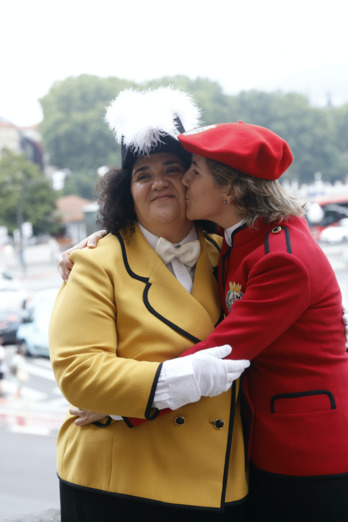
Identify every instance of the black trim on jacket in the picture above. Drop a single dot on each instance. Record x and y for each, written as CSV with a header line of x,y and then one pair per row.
x,y
229,443
147,304
287,239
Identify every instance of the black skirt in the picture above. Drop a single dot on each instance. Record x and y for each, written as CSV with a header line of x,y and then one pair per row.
x,y
277,498
87,505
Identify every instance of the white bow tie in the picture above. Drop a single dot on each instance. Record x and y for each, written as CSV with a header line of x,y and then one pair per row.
x,y
187,254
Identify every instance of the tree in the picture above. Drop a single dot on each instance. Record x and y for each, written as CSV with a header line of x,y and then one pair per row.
x,y
76,137
207,94
81,184
340,115
73,130
310,131
26,195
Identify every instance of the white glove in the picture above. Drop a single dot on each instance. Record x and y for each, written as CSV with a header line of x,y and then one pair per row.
x,y
215,374
203,374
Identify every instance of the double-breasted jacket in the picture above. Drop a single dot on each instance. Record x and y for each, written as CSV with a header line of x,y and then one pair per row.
x,y
119,316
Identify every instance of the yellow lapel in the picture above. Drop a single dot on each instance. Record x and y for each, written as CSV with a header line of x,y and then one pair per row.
x,y
194,316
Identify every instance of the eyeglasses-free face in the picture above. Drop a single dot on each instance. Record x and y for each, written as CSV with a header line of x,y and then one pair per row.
x,y
159,195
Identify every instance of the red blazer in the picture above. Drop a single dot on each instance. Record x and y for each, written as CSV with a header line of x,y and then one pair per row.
x,y
283,311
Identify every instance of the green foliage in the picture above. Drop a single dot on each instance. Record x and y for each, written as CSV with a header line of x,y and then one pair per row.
x,y
81,184
309,131
76,137
340,116
73,130
25,190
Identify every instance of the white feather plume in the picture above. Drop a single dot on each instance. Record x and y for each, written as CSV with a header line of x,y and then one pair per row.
x,y
141,118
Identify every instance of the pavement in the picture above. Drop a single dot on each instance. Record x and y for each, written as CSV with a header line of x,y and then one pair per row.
x,y
31,413
48,515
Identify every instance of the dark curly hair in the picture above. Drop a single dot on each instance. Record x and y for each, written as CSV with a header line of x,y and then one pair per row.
x,y
116,207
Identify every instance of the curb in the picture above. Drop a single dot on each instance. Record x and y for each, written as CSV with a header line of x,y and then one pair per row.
x,y
51,515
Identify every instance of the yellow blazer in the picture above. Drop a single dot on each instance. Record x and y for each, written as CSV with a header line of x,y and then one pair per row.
x,y
121,313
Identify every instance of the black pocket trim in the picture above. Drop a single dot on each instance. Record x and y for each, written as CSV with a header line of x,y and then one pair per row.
x,y
303,394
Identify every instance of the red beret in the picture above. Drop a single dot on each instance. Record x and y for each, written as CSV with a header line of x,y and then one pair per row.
x,y
251,149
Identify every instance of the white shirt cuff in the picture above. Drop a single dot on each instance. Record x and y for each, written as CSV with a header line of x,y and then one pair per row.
x,y
176,385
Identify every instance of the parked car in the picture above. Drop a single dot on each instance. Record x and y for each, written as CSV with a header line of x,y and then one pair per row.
x,y
32,334
336,233
326,212
9,324
12,295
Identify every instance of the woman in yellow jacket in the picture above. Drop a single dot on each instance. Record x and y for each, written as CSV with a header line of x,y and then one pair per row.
x,y
125,310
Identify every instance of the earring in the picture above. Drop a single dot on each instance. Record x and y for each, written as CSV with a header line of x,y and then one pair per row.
x,y
225,201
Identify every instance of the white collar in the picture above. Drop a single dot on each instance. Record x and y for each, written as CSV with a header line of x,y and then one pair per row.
x,y
152,239
229,231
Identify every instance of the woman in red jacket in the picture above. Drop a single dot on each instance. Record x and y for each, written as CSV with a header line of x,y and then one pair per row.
x,y
283,310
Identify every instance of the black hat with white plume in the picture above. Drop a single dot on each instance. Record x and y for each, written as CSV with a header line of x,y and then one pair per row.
x,y
148,122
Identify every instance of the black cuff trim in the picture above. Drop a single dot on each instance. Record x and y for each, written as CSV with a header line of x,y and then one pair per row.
x,y
128,422
149,407
103,424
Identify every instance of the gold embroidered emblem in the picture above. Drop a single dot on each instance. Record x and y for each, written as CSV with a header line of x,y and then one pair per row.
x,y
234,294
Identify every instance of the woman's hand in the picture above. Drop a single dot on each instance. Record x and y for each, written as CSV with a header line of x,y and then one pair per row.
x,y
65,265
85,417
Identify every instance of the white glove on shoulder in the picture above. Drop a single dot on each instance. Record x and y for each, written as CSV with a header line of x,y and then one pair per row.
x,y
203,374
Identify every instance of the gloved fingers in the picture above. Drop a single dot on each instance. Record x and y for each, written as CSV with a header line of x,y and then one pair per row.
x,y
235,370
233,377
218,352
238,365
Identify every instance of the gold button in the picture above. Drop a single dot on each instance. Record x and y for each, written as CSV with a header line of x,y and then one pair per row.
x,y
276,230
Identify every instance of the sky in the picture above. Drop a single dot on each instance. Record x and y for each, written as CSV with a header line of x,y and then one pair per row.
x,y
268,45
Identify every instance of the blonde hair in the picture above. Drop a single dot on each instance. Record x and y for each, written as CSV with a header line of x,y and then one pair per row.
x,y
256,198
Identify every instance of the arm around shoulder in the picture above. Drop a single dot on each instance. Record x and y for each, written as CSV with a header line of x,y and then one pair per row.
x,y
83,344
